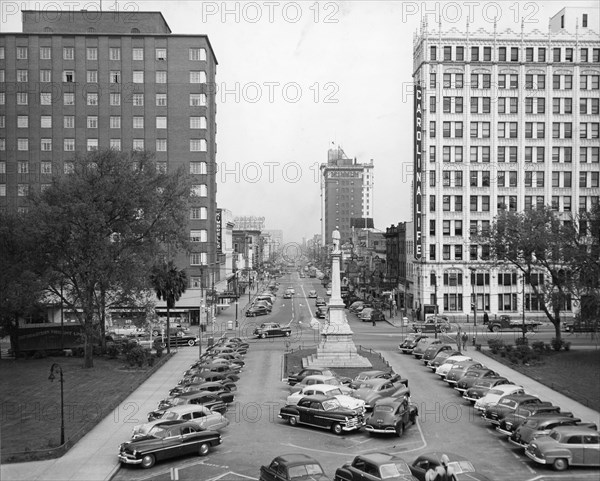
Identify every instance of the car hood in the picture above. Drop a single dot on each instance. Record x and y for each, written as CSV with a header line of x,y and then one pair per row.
x,y
350,402
144,442
365,394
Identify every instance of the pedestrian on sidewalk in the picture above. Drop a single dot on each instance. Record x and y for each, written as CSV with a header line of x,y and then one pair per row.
x,y
459,337
486,318
464,338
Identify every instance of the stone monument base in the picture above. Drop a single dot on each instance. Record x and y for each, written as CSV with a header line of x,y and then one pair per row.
x,y
336,349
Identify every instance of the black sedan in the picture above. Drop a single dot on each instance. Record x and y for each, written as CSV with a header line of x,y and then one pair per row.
x,y
272,329
461,466
291,467
176,341
168,440
391,415
204,398
375,466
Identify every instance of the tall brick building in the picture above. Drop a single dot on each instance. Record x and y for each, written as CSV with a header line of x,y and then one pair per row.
x,y
74,82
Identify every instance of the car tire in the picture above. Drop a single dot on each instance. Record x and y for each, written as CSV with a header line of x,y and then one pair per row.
x,y
443,330
191,342
203,449
155,333
530,328
400,429
495,329
560,464
293,421
263,335
163,345
287,333
148,461
336,428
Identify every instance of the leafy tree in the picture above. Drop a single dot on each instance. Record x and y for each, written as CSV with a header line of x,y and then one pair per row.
x,y
169,284
99,228
539,242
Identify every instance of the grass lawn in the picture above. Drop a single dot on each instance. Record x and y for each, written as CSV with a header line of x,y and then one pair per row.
x,y
574,373
30,403
293,362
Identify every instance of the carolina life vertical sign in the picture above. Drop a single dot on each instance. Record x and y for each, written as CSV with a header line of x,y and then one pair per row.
x,y
418,168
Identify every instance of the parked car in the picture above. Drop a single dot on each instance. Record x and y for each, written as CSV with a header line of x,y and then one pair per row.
x,y
297,377
509,404
424,344
320,302
347,401
511,421
203,398
444,369
167,441
254,311
410,342
459,369
377,315
433,324
504,322
365,314
541,425
391,415
363,376
374,466
288,295
463,468
324,412
320,379
328,291
200,415
312,294
482,387
374,389
267,305
217,388
434,349
496,393
272,329
566,446
321,312
471,377
441,357
293,467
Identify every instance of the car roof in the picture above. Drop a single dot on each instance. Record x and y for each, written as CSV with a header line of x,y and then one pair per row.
x,y
196,394
376,381
373,372
318,377
575,430
322,387
389,401
380,458
436,456
319,397
185,408
293,459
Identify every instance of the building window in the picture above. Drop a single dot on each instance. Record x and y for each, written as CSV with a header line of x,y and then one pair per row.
x,y
161,77
46,168
23,167
22,53
69,122
161,54
69,99
115,99
138,144
92,53
115,122
115,77
69,145
92,76
46,98
198,213
92,99
198,258
22,190
138,100
161,122
138,76
198,145
114,53
22,98
23,144
46,121
432,129
138,122
137,54
432,203
199,190
197,100
161,100
92,144
198,168
68,53
22,75
197,122
197,54
115,144
161,145
197,76
199,235
45,53
92,121
23,121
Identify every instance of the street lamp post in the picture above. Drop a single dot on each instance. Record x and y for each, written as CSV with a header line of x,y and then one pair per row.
x,y
57,367
474,303
523,285
435,299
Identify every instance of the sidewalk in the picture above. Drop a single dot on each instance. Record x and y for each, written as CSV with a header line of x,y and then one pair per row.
x,y
531,385
94,457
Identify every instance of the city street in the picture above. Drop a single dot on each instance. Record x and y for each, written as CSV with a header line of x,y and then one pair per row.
x,y
255,435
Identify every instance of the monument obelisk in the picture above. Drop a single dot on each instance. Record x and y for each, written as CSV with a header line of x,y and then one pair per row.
x,y
336,347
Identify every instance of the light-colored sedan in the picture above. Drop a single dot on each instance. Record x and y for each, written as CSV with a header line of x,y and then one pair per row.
x,y
495,394
198,414
444,369
329,390
319,379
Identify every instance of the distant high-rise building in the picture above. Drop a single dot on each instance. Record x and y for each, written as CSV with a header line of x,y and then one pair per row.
x,y
78,81
346,194
503,121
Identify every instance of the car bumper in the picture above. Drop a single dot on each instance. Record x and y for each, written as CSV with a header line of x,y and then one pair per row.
x,y
517,443
129,460
382,429
535,458
460,389
503,431
470,399
451,381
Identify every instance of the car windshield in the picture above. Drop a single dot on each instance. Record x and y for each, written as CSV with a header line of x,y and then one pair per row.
x,y
383,408
508,403
393,470
496,392
462,467
531,423
170,416
177,401
331,405
362,377
334,392
158,432
304,470
555,435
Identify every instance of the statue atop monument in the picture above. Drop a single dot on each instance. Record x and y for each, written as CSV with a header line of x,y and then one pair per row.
x,y
335,236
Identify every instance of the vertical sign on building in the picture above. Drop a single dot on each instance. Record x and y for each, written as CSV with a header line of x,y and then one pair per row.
x,y
219,226
418,168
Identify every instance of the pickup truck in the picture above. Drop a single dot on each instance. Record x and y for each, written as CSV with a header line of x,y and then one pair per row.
x,y
505,322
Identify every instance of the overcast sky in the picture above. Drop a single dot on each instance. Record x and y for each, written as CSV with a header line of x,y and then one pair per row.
x,y
295,77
